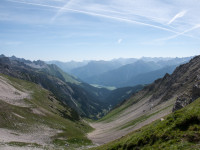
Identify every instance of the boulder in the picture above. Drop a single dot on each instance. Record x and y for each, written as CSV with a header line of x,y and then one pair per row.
x,y
182,101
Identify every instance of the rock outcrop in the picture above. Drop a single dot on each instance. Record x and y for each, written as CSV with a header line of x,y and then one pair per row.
x,y
186,99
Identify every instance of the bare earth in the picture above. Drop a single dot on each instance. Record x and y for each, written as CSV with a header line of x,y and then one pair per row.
x,y
10,94
108,131
40,135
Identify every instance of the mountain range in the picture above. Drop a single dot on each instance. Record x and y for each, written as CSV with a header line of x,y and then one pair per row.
x,y
124,72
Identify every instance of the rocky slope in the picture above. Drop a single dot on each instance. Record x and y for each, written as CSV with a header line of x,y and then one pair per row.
x,y
33,118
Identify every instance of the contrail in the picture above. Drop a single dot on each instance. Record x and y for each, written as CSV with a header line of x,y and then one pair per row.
x,y
60,11
179,15
182,33
99,15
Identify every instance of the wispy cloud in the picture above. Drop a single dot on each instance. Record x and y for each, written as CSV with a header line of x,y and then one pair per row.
x,y
99,15
179,15
100,26
14,43
156,16
119,41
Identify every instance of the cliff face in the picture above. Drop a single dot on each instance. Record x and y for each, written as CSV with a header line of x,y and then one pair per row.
x,y
184,84
193,81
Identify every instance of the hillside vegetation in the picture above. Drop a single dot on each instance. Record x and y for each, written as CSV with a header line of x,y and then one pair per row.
x,y
178,131
37,120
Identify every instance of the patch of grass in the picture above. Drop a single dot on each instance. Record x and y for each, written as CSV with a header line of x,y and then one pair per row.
x,y
69,78
179,131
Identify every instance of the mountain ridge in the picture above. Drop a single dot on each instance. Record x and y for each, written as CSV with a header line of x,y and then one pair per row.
x,y
123,73
87,100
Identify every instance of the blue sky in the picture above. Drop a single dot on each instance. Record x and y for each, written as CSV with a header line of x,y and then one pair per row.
x,y
99,29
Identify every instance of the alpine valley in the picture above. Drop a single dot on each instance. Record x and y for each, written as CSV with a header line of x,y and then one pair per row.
x,y
122,104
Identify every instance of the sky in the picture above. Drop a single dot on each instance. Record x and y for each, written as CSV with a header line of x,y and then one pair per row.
x,y
79,30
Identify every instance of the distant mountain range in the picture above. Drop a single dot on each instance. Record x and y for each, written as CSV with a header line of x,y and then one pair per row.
x,y
123,72
71,66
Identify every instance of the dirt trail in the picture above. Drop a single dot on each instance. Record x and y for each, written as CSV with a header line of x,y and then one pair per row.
x,y
108,131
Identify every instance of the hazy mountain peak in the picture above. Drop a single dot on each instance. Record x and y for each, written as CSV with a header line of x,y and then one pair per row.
x,y
2,55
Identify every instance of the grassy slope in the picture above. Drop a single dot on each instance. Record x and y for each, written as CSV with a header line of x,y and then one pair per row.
x,y
142,118
179,130
56,115
56,71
